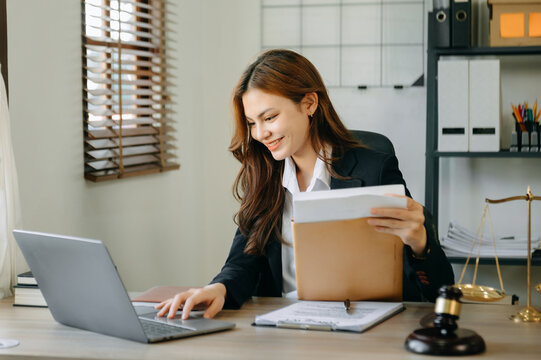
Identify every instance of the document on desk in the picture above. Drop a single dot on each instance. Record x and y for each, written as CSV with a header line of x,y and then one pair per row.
x,y
330,315
345,204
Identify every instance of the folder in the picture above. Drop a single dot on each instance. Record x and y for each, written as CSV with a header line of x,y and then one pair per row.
x,y
453,97
484,105
346,259
441,23
461,23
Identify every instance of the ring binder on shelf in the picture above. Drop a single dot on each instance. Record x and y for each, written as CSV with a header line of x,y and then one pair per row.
x,y
460,23
441,21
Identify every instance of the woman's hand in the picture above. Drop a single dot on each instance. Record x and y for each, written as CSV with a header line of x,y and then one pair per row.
x,y
213,296
408,224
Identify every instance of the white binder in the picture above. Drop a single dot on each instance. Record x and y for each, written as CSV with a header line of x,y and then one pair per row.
x,y
453,97
484,132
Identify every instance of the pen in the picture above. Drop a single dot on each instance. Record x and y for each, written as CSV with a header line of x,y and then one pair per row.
x,y
347,305
322,327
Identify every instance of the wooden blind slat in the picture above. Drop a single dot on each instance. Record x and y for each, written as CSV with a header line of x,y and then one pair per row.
x,y
138,91
113,43
110,113
105,101
128,161
109,81
128,122
137,160
127,151
106,175
97,157
108,19
145,34
132,12
141,63
130,141
104,70
109,50
132,101
108,133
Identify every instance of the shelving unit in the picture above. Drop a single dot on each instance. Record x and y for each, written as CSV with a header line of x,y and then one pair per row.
x,y
536,260
433,156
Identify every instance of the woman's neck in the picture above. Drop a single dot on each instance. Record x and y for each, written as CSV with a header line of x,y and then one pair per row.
x,y
305,164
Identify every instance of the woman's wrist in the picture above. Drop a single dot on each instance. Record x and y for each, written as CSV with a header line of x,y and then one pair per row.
x,y
219,287
422,254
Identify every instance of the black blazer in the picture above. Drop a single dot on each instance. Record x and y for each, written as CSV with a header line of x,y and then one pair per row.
x,y
246,275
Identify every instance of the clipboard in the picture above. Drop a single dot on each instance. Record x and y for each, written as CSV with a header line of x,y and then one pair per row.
x,y
347,259
330,316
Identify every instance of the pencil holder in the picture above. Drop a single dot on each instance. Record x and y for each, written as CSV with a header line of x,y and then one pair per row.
x,y
536,141
519,136
529,140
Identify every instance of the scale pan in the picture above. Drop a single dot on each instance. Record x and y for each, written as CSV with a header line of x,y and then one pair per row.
x,y
480,292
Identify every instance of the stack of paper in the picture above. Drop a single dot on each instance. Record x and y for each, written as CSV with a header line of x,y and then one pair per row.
x,y
330,316
345,204
459,242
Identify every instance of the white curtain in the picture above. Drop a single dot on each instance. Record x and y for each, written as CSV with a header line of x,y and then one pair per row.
x,y
9,199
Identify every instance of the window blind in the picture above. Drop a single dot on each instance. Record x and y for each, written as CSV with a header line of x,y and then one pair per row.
x,y
126,106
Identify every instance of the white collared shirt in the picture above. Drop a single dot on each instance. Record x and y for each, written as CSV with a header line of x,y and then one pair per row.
x,y
321,180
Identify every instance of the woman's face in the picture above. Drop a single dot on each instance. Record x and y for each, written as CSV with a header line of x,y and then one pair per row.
x,y
279,123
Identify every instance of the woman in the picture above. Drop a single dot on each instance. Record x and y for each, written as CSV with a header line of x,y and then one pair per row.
x,y
288,138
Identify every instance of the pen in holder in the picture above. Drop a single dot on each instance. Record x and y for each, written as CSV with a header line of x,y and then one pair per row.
x,y
526,137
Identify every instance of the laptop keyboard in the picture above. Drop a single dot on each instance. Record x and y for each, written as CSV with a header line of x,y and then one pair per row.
x,y
156,330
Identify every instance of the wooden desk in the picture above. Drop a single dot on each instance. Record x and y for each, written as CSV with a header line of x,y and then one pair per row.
x,y
41,337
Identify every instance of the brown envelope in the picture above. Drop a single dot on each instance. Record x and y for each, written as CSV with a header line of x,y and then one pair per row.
x,y
347,259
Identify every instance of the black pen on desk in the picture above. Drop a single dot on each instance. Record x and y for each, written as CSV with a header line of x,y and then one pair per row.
x,y
347,305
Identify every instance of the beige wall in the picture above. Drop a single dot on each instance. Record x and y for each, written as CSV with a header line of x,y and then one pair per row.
x,y
172,228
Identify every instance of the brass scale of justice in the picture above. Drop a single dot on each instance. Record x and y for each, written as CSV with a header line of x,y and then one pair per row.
x,y
486,293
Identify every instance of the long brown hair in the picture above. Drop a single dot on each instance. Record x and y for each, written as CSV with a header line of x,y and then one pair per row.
x,y
258,186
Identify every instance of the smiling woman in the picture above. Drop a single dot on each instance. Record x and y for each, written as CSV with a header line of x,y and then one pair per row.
x,y
288,139
304,122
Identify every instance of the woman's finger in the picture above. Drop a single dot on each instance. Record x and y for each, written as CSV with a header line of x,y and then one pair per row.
x,y
214,308
178,300
162,304
189,304
164,309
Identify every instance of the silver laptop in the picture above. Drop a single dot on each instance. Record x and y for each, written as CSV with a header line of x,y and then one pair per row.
x,y
82,288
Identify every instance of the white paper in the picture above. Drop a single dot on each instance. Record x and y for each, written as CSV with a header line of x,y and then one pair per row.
x,y
330,315
459,242
344,204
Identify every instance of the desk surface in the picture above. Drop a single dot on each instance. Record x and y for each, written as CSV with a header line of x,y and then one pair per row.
x,y
40,336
